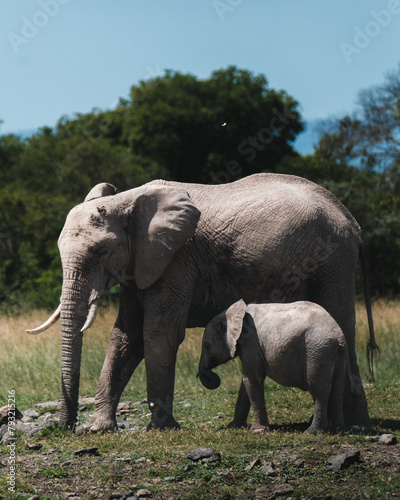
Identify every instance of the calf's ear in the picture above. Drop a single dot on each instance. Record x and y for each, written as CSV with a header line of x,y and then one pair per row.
x,y
234,323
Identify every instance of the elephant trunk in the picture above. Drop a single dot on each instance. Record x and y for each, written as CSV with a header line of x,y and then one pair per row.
x,y
207,377
74,309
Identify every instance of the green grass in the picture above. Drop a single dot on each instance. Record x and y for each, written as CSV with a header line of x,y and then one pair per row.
x,y
31,367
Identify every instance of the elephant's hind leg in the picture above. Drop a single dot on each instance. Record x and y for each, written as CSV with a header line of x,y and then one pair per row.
x,y
125,352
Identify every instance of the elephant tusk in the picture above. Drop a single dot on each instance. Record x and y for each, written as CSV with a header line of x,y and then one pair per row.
x,y
91,316
47,324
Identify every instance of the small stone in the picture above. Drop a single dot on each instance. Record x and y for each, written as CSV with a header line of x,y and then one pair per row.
x,y
142,493
33,414
269,469
50,404
124,406
299,464
252,464
388,439
87,451
207,455
344,460
140,460
173,479
33,446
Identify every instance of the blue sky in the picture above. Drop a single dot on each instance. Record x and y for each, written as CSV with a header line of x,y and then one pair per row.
x,y
59,57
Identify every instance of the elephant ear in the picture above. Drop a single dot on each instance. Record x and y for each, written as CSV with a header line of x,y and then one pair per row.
x,y
164,218
100,190
234,324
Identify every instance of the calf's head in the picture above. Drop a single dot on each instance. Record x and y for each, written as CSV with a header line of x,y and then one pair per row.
x,y
219,342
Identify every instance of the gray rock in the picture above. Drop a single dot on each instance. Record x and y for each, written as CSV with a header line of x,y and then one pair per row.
x,y
33,446
344,460
33,414
252,464
207,455
388,439
142,493
270,469
173,479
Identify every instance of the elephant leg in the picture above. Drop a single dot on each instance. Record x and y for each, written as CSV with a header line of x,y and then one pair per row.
x,y
255,391
242,409
341,307
320,418
336,396
125,352
160,357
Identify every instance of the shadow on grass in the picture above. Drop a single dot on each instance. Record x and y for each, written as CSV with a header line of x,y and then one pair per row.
x,y
385,425
390,424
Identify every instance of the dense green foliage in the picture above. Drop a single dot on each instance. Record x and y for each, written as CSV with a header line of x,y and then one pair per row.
x,y
182,128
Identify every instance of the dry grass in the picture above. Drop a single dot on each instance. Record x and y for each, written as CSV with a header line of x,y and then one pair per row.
x,y
386,314
31,364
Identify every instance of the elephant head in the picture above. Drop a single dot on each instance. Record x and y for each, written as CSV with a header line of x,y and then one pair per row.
x,y
128,238
219,343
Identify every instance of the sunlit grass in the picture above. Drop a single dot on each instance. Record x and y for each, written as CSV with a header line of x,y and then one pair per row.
x,y
31,365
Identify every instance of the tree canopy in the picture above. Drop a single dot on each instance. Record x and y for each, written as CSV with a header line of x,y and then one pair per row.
x,y
214,130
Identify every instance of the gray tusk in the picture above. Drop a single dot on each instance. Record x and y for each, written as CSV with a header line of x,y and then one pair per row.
x,y
47,324
91,316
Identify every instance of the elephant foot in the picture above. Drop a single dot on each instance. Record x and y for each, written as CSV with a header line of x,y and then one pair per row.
x,y
313,429
161,417
259,429
237,425
170,423
101,423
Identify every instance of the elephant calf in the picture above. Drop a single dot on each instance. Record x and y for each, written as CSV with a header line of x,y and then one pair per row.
x,y
296,344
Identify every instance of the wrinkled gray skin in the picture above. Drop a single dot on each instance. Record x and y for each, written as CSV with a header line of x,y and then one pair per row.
x,y
297,345
184,252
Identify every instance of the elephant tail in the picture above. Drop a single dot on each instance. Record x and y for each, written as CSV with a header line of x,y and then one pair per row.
x,y
373,350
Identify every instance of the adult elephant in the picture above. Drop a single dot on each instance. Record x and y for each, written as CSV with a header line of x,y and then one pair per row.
x,y
183,253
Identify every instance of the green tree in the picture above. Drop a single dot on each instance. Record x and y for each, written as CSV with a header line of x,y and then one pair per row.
x,y
212,130
368,145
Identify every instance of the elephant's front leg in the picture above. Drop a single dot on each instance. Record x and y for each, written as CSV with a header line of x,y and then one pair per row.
x,y
242,409
166,309
160,355
125,352
254,385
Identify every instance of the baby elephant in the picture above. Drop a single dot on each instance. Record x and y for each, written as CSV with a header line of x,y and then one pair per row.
x,y
297,345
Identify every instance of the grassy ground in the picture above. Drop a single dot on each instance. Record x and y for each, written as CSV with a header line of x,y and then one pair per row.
x,y
31,367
